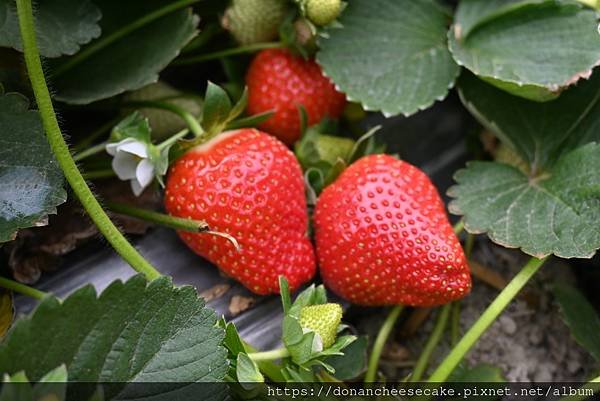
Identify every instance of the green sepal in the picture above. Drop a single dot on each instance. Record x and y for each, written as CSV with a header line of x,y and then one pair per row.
x,y
217,108
232,340
247,372
133,126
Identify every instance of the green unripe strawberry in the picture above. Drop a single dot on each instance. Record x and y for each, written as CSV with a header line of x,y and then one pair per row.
x,y
323,12
322,319
163,123
254,21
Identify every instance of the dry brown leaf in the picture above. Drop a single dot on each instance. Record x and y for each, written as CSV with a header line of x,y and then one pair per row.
x,y
215,292
240,303
6,312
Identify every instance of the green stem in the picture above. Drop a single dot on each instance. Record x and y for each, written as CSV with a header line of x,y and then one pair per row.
x,y
485,320
185,115
162,219
455,323
270,369
169,141
229,52
432,342
21,288
107,40
458,227
585,392
278,353
61,150
382,336
90,151
470,241
106,173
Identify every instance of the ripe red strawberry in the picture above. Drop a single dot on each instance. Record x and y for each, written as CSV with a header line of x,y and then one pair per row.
x,y
247,184
281,82
383,237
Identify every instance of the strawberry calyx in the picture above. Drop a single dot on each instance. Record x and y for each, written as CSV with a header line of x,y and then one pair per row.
x,y
324,157
219,114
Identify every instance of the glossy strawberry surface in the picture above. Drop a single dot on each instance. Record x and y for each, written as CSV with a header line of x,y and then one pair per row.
x,y
247,184
383,237
279,81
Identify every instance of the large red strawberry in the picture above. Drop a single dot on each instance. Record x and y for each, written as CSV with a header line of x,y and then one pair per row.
x,y
247,184
281,82
383,237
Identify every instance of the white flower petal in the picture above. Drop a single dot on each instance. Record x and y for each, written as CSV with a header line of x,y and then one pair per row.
x,y
317,344
134,147
125,165
111,148
136,187
144,173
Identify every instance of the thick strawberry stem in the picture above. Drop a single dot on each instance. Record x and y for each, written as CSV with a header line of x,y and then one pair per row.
x,y
432,342
485,320
382,336
229,52
21,288
61,150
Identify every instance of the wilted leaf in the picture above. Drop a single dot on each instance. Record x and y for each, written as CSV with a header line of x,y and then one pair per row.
x,y
133,332
240,303
554,213
130,62
62,26
31,183
581,317
532,48
390,55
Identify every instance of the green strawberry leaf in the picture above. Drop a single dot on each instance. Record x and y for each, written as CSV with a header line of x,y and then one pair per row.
x,y
509,43
51,387
31,182
552,213
539,132
62,26
247,372
217,109
132,332
249,121
581,317
129,62
353,362
390,56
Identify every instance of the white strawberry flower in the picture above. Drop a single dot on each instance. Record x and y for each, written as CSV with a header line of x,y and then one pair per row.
x,y
131,162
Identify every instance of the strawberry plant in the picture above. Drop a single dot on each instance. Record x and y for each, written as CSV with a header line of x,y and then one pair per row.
x,y
279,176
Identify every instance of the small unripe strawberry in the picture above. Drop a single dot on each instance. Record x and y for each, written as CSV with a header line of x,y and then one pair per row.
x,y
163,123
322,319
254,21
323,12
